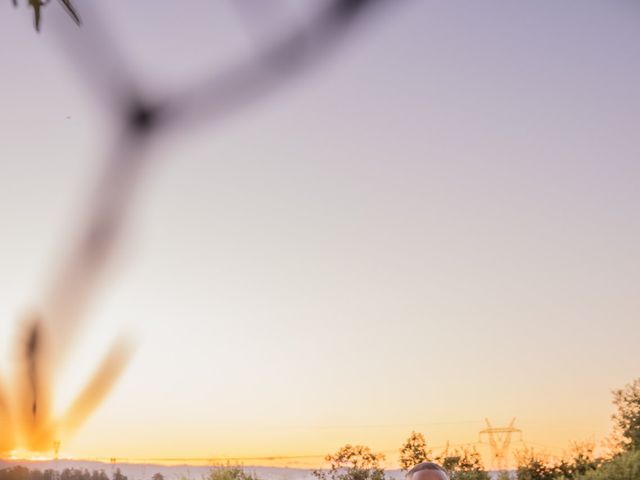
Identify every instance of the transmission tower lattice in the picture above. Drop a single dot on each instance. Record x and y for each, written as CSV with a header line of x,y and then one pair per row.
x,y
500,441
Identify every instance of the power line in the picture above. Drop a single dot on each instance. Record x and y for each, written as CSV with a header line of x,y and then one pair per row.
x,y
240,458
360,426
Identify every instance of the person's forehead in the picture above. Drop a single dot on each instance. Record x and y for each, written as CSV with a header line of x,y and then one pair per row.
x,y
429,475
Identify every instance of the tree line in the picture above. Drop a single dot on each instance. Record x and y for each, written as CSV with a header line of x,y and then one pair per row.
x,y
359,462
621,463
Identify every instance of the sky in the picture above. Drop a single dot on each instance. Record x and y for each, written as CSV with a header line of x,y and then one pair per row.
x,y
437,224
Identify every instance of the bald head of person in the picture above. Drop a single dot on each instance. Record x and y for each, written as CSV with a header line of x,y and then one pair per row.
x,y
427,471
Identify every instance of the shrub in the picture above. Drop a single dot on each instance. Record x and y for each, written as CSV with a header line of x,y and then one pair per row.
x,y
535,466
622,467
463,464
414,451
627,417
353,462
230,472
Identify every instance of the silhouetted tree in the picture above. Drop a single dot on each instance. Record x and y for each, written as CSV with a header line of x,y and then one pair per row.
x,y
414,451
99,475
75,474
627,417
463,464
118,475
625,466
230,472
580,461
535,466
353,462
14,473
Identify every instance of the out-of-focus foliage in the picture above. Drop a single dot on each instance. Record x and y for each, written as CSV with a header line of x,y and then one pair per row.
x,y
23,473
505,476
230,472
414,451
537,466
627,417
463,464
625,466
37,10
581,460
353,462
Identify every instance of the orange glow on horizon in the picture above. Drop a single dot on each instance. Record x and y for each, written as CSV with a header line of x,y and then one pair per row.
x,y
308,449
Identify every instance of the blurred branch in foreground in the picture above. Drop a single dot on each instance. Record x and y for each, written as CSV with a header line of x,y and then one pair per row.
x,y
37,10
141,119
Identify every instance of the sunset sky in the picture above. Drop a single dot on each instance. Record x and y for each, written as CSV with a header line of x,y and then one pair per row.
x,y
437,224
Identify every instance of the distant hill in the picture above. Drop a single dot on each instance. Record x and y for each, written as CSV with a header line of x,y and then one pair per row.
x,y
144,471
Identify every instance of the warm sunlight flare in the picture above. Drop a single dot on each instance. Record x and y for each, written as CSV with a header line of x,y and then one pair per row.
x,y
20,454
27,418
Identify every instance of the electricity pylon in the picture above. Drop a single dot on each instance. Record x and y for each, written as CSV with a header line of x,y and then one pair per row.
x,y
499,441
